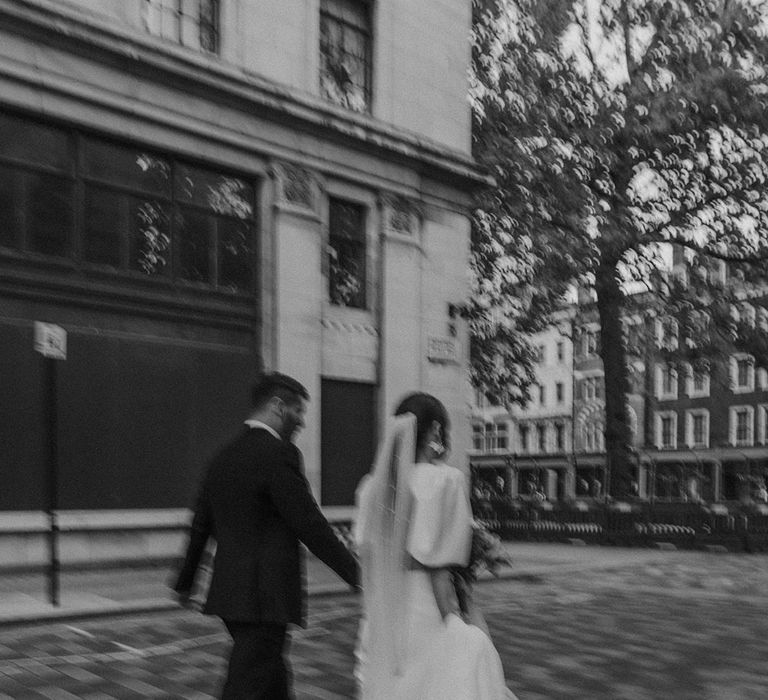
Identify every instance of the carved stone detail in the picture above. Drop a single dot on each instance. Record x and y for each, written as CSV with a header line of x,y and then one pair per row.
x,y
296,186
401,215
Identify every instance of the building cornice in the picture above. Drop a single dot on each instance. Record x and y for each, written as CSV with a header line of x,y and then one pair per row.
x,y
49,24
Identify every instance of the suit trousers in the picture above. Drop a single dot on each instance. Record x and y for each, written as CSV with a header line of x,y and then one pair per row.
x,y
257,667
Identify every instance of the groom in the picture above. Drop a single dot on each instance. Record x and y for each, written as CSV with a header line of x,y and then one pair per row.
x,y
257,505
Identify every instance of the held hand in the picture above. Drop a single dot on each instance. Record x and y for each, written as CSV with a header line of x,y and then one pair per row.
x,y
185,600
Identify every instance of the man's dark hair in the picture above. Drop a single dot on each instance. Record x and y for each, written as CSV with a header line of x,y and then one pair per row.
x,y
427,409
280,385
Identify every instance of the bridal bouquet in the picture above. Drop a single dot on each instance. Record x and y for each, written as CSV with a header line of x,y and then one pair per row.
x,y
486,554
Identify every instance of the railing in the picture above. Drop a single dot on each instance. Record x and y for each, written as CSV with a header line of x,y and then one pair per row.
x,y
686,526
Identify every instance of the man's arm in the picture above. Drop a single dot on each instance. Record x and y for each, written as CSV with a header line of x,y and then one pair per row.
x,y
293,499
199,533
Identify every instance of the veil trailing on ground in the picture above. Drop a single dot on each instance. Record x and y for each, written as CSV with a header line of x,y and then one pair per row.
x,y
381,529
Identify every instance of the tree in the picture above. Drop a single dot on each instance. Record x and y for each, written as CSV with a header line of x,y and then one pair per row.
x,y
613,128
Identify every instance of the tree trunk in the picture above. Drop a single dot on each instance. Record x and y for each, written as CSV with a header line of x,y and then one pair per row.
x,y
614,355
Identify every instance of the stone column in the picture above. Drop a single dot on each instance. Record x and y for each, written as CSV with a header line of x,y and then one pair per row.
x,y
298,295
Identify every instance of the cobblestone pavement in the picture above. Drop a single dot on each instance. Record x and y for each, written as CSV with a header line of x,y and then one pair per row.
x,y
689,625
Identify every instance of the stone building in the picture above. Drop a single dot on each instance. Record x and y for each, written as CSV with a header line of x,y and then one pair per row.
x,y
195,190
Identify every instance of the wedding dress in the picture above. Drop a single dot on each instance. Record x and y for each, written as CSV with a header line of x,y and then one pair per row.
x,y
412,516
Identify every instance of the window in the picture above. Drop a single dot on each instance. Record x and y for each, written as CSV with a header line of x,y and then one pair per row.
x,y
346,252
592,436
561,352
490,437
762,424
541,437
143,213
666,430
666,333
345,53
502,441
191,23
523,432
589,342
542,395
541,354
666,382
697,428
560,437
560,392
696,382
742,373
478,437
591,388
761,378
741,425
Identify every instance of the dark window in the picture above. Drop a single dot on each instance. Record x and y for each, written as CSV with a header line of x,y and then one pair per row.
x,y
541,432
141,212
10,207
104,214
560,352
523,430
49,214
192,23
667,436
345,53
36,187
699,436
559,391
346,252
560,436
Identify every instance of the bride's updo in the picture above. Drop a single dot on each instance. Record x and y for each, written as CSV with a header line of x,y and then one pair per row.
x,y
427,409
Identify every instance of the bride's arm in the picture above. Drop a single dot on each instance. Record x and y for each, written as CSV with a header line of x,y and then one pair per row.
x,y
445,593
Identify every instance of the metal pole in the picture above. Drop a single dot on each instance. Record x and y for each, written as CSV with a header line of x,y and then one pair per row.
x,y
52,480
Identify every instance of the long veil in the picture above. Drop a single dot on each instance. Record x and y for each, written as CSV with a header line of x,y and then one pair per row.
x,y
381,529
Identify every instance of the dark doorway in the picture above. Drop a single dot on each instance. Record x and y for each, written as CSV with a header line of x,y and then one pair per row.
x,y
348,436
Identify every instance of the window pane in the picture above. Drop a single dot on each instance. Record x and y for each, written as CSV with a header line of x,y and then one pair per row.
x,y
346,220
9,196
127,167
194,234
150,237
49,214
346,250
209,25
229,196
105,214
32,143
344,54
347,273
235,262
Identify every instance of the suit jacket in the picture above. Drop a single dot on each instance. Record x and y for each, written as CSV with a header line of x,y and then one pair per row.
x,y
257,505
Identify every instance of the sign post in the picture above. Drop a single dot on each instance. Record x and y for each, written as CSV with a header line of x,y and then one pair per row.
x,y
51,343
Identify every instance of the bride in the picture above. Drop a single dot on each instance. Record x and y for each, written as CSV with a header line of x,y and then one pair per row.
x,y
414,522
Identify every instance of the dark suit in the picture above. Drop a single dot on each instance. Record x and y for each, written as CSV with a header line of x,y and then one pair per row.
x,y
257,505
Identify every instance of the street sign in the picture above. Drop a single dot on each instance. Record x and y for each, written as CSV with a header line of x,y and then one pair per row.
x,y
50,340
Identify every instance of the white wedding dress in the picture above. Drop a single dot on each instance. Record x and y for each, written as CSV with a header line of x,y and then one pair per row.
x,y
432,659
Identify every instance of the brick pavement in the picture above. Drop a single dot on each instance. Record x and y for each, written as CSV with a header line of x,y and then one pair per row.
x,y
683,626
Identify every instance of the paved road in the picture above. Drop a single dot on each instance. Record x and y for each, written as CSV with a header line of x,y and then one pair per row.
x,y
680,626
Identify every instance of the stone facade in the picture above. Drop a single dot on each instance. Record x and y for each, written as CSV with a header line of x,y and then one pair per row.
x,y
162,365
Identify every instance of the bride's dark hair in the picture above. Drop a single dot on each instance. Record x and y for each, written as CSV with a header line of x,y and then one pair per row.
x,y
427,409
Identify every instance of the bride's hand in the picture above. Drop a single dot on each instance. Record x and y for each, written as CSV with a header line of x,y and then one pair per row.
x,y
474,616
